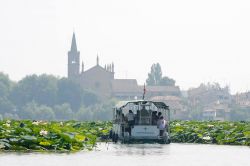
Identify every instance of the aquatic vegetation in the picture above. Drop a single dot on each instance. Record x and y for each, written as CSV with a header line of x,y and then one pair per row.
x,y
71,136
67,136
211,132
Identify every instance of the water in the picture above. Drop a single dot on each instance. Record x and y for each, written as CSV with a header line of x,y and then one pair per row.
x,y
138,155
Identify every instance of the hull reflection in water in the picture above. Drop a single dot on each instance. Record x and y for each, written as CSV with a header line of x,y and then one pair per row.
x,y
137,149
138,155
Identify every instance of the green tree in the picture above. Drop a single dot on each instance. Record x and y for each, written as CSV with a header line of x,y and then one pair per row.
x,y
85,114
89,98
6,85
63,112
45,113
6,105
100,111
29,111
41,89
165,81
155,77
69,92
46,90
72,93
37,112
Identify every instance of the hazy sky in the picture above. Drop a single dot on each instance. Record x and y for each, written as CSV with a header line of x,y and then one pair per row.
x,y
194,40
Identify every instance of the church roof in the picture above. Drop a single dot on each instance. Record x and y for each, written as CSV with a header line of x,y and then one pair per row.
x,y
125,85
95,68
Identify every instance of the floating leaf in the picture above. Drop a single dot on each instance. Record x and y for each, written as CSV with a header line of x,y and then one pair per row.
x,y
247,134
29,138
45,143
80,138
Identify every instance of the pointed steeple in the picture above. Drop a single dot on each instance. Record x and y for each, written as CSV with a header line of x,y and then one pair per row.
x,y
73,43
73,60
97,60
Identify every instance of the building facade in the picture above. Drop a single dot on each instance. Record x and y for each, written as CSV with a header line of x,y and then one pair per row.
x,y
102,80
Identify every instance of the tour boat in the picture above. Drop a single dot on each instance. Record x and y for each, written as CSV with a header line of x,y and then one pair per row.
x,y
141,120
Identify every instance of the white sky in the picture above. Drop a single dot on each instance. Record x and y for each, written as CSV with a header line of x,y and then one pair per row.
x,y
195,41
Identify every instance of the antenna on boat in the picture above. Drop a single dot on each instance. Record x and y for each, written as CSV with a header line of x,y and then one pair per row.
x,y
144,92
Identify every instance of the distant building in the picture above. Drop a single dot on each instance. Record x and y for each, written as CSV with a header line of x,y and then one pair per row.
x,y
211,100
242,99
175,103
101,80
216,111
126,89
207,94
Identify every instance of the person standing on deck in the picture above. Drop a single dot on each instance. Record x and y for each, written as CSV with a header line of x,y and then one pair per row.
x,y
161,125
131,120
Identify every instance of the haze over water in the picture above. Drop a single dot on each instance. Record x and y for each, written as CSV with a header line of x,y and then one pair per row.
x,y
195,41
138,155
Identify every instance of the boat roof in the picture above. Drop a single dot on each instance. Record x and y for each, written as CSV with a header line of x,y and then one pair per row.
x,y
160,105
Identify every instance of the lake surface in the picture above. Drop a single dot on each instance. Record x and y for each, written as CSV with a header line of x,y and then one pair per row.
x,y
137,155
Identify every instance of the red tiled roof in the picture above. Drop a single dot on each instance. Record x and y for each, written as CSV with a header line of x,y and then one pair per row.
x,y
166,98
125,85
161,88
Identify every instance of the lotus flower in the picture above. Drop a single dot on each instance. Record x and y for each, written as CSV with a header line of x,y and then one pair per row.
x,y
35,123
177,124
207,138
7,124
43,132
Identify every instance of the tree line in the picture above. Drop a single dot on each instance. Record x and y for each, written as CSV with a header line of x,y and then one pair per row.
x,y
50,98
47,97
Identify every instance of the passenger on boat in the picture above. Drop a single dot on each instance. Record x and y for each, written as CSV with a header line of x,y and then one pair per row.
x,y
123,123
131,120
154,117
123,118
137,117
159,115
161,124
145,118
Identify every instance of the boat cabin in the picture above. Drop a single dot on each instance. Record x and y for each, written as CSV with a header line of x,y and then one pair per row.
x,y
141,120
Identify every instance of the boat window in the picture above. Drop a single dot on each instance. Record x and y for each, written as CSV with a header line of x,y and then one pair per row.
x,y
145,112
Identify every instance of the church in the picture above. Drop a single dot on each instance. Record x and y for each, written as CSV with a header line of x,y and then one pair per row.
x,y
101,80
